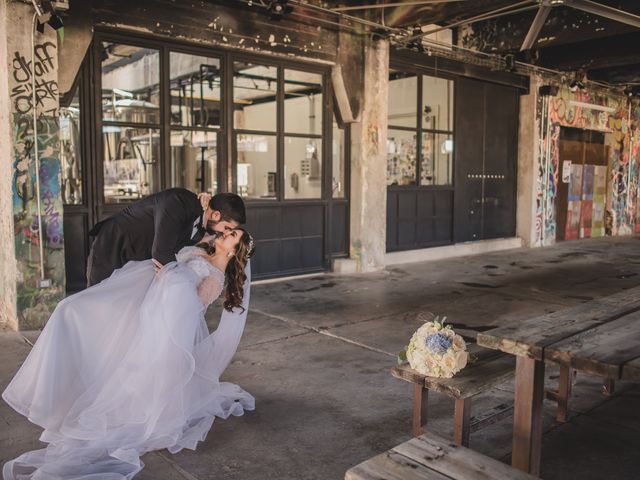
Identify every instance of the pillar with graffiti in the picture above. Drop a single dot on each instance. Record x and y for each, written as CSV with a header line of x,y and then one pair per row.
x,y
36,202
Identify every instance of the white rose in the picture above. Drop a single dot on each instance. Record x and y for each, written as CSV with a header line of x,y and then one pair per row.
x,y
449,361
461,360
459,343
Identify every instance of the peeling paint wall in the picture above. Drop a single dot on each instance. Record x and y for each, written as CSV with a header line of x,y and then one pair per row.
x,y
622,137
34,304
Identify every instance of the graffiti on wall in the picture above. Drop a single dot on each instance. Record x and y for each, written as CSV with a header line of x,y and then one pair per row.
x,y
36,301
45,84
565,110
622,175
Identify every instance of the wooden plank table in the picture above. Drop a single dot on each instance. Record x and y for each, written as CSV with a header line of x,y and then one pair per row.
x,y
429,457
600,337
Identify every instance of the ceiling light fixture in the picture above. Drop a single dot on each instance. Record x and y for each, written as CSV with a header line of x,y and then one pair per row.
x,y
579,81
576,85
46,16
510,62
278,9
416,43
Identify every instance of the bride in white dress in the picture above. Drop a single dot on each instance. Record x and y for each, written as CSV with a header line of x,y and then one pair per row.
x,y
128,366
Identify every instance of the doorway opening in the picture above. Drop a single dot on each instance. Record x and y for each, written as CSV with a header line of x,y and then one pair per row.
x,y
582,184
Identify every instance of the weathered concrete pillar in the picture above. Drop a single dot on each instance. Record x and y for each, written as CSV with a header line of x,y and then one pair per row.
x,y
369,162
33,275
8,271
528,158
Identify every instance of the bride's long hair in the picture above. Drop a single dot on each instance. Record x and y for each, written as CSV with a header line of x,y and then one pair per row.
x,y
234,273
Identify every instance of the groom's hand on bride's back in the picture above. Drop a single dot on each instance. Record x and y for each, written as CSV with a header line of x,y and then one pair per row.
x,y
156,265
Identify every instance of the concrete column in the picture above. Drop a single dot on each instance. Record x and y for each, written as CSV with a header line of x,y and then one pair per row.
x,y
33,275
369,162
8,271
528,159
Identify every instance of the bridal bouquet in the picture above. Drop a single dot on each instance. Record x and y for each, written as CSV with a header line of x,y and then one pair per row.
x,y
436,350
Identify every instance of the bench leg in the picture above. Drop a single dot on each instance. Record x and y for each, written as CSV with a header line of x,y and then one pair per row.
x,y
420,398
608,386
564,391
462,425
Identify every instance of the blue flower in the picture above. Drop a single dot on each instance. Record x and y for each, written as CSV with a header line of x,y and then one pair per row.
x,y
438,343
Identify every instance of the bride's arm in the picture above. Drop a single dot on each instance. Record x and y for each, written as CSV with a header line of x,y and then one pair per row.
x,y
209,289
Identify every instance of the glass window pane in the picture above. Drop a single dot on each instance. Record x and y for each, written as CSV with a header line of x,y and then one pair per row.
x,y
437,99
401,157
194,160
254,96
196,86
437,159
70,155
337,157
302,167
403,99
302,102
130,83
130,162
257,166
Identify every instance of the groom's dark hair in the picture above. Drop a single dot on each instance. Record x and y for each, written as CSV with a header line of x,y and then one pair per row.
x,y
230,206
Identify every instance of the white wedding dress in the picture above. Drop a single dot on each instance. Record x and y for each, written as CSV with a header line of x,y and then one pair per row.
x,y
125,367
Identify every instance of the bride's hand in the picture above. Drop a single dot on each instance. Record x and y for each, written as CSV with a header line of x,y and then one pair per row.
x,y
204,198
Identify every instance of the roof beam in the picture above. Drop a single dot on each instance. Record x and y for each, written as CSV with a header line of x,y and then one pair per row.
x,y
536,27
605,11
593,54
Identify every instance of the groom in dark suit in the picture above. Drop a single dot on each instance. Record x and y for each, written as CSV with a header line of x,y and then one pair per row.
x,y
157,227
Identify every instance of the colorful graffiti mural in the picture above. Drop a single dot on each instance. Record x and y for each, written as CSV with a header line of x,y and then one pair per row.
x,y
568,109
36,299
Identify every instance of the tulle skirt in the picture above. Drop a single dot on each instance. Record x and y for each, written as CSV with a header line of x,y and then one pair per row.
x,y
122,368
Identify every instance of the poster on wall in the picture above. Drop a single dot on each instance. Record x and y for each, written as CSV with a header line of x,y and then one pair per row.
x,y
575,183
572,229
587,201
599,193
566,171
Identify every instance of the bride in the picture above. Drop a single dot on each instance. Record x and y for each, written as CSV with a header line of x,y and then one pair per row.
x,y
128,366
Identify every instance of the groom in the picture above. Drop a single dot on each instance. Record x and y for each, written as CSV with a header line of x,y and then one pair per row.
x,y
157,227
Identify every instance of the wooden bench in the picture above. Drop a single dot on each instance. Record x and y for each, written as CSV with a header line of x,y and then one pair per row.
x,y
488,369
429,457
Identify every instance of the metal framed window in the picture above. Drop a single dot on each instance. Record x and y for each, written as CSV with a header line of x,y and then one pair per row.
x,y
281,137
420,134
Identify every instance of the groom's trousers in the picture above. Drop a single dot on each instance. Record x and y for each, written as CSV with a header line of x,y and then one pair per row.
x,y
107,254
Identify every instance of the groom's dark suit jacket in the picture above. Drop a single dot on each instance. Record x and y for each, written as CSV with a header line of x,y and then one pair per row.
x,y
155,227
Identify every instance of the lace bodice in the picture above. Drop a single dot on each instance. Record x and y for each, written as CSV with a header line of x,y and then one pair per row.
x,y
210,278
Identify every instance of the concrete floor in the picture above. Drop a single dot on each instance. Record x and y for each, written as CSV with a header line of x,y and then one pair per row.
x,y
316,354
